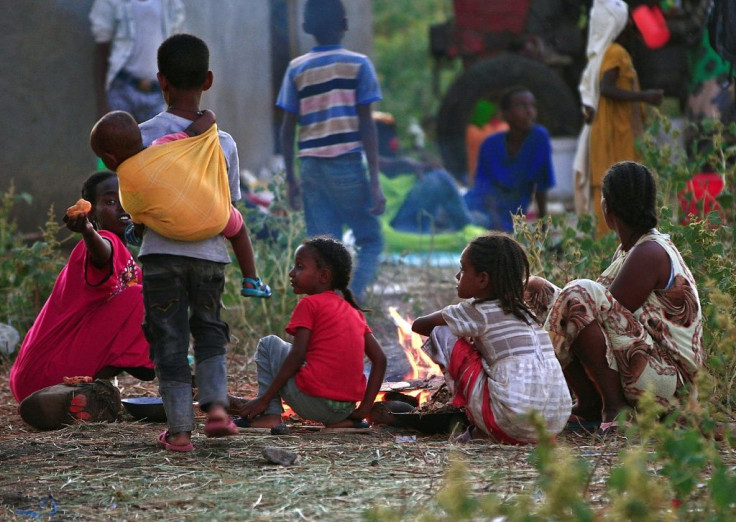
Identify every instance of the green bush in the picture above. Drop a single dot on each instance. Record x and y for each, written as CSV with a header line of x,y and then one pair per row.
x,y
275,236
27,271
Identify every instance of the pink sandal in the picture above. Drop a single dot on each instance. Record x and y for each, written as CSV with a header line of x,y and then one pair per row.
x,y
220,428
163,443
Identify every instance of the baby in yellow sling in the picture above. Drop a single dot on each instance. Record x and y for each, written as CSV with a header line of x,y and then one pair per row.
x,y
178,187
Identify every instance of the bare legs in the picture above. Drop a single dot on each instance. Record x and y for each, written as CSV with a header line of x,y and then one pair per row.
x,y
595,385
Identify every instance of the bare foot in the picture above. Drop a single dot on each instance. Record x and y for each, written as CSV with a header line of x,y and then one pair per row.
x,y
348,423
265,421
217,413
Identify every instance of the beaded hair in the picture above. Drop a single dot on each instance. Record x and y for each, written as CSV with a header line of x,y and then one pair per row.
x,y
331,253
505,262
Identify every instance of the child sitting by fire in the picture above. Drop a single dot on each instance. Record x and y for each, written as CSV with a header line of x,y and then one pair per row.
x,y
498,361
320,375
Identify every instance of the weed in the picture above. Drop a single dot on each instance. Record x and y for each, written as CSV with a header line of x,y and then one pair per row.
x,y
27,272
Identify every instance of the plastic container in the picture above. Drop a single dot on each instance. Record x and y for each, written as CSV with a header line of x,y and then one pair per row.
x,y
652,25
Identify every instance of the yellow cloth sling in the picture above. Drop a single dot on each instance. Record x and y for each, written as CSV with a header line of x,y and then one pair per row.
x,y
179,189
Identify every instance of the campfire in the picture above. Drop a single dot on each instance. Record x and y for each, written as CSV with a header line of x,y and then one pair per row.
x,y
424,376
421,401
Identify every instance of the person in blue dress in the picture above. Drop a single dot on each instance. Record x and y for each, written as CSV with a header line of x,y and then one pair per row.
x,y
512,166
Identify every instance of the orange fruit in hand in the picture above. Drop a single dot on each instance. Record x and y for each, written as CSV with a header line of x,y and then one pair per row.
x,y
80,208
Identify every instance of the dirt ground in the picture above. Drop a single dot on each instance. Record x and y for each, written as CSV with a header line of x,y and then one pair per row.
x,y
115,471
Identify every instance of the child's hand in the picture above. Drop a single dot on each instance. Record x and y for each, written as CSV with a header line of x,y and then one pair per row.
x,y
654,97
360,413
379,200
204,121
588,113
252,408
294,195
79,223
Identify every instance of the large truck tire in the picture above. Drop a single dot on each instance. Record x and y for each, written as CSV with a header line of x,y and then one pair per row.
x,y
557,107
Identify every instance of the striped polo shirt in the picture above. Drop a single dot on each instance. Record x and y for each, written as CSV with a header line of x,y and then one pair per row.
x,y
324,87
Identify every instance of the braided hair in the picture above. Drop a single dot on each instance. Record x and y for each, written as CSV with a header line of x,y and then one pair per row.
x,y
630,192
331,253
505,262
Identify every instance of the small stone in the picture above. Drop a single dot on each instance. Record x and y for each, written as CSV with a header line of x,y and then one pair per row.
x,y
280,429
280,456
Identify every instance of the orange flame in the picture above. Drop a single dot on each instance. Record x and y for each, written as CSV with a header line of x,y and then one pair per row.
x,y
422,367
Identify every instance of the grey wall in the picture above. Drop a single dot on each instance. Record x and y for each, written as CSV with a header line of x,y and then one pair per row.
x,y
47,97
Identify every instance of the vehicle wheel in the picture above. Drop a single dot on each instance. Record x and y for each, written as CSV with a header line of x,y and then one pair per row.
x,y
557,107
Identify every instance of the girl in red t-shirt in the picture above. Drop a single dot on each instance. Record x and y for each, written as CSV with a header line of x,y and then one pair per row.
x,y
320,375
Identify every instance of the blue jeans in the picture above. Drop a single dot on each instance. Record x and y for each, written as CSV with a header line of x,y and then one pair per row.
x,y
182,297
122,96
336,193
433,204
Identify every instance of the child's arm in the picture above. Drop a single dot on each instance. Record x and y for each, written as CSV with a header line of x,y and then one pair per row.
x,y
99,250
291,365
288,132
378,369
609,90
369,137
425,324
204,121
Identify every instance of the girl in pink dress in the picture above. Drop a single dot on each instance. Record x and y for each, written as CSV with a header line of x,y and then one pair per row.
x,y
91,323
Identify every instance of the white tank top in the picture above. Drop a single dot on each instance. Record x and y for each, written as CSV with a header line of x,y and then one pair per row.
x,y
149,33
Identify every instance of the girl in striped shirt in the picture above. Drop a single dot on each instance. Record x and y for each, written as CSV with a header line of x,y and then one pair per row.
x,y
498,361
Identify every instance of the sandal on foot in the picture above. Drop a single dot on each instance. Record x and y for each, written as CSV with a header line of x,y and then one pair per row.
x,y
163,443
259,289
220,428
465,437
607,429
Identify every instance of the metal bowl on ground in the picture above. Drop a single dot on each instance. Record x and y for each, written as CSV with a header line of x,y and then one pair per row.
x,y
446,419
432,423
146,408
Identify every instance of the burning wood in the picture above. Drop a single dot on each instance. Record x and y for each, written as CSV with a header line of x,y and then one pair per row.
x,y
422,367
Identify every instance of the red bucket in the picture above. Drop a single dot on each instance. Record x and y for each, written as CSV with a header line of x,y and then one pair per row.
x,y
701,193
652,25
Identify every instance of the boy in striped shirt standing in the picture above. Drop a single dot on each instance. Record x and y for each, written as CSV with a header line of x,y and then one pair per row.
x,y
328,92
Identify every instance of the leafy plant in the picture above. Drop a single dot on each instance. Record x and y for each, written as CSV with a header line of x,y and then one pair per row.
x,y
27,271
275,235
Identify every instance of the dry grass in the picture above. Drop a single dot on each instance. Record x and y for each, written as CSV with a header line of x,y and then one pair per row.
x,y
116,472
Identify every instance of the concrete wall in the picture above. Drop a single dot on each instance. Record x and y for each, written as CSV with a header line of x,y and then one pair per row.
x,y
47,97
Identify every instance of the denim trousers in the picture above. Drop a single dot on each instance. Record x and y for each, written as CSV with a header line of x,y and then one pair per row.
x,y
433,204
336,194
122,96
270,356
182,299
